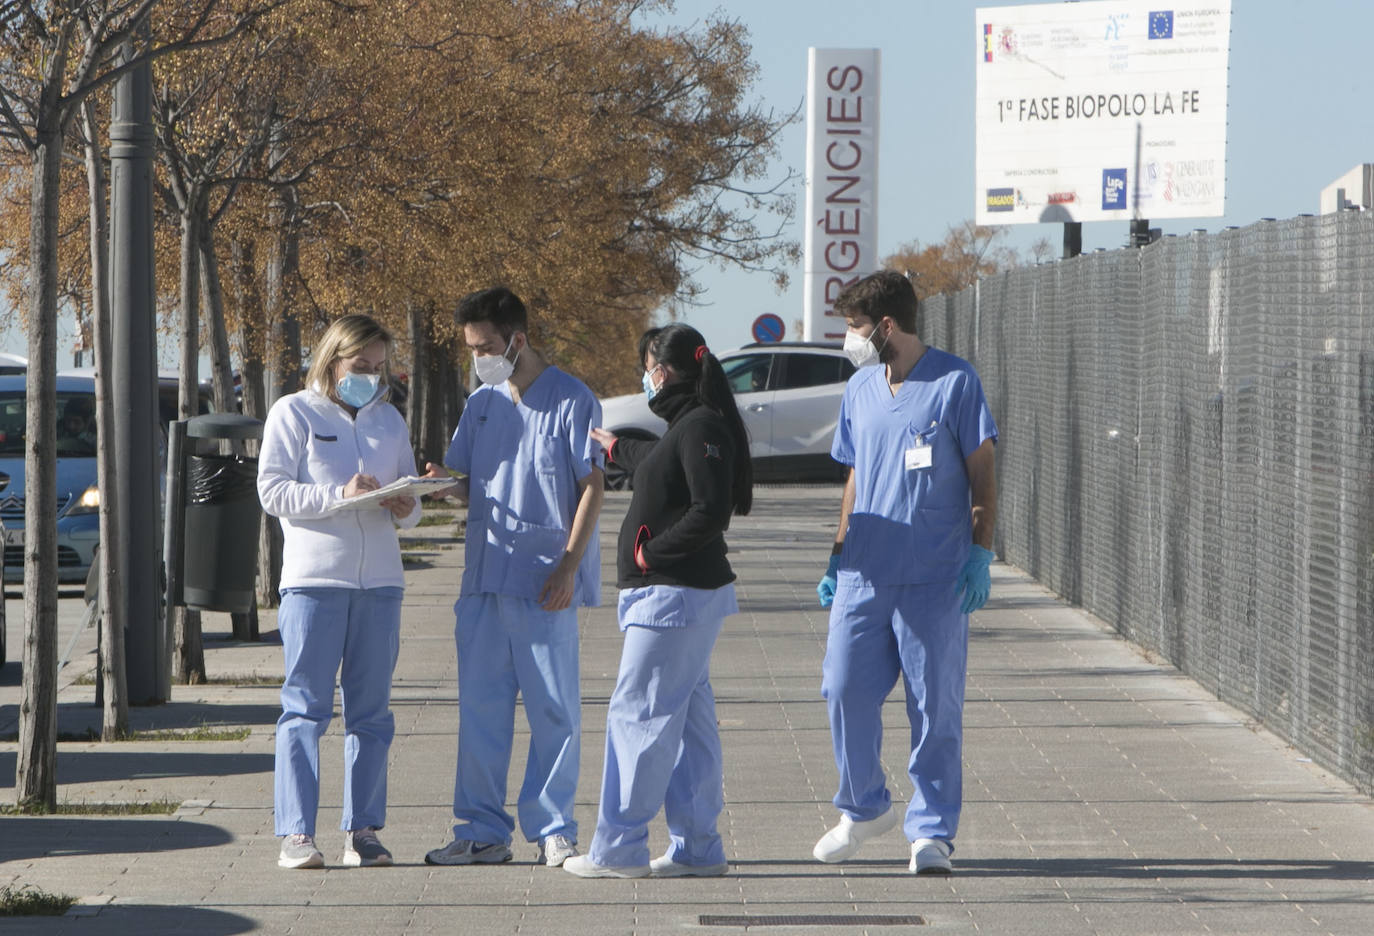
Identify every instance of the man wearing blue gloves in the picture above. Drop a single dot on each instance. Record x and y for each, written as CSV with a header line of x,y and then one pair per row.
x,y
910,563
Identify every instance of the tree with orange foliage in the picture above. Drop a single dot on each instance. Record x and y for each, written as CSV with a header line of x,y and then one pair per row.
x,y
53,56
968,251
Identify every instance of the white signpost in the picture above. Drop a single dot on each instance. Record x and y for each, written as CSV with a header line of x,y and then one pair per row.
x,y
841,242
1104,110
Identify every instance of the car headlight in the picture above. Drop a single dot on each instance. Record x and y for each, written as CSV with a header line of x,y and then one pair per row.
x,y
88,502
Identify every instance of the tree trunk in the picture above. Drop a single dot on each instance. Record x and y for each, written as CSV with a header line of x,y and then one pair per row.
x,y
442,403
188,652
255,404
115,717
244,625
36,771
221,364
284,359
419,346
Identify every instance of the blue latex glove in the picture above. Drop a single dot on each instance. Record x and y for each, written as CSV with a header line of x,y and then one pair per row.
x,y
974,579
825,591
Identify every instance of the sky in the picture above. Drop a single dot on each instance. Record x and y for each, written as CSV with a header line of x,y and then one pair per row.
x,y
1299,117
1298,102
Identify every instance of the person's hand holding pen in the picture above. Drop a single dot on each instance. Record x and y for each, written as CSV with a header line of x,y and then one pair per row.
x,y
360,484
459,491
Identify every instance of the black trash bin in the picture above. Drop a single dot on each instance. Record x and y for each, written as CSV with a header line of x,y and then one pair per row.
x,y
222,516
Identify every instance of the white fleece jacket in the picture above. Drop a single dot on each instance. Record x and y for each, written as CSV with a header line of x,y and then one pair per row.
x,y
311,447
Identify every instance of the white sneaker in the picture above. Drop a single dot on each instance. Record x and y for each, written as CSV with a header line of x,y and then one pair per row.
x,y
842,842
930,856
298,851
556,849
665,867
583,866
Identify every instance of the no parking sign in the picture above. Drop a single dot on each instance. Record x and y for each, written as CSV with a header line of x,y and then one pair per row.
x,y
768,327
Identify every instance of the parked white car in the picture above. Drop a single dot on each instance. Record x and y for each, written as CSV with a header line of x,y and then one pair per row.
x,y
789,396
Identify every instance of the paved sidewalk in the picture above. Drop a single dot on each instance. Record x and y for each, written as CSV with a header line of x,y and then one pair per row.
x,y
1104,792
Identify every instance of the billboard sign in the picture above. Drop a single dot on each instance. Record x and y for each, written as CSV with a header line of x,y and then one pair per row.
x,y
841,240
1102,110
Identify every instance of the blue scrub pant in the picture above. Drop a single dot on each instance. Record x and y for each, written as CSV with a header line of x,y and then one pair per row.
x,y
876,634
662,749
322,630
508,645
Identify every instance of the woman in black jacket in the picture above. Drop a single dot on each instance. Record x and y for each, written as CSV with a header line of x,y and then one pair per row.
x,y
676,589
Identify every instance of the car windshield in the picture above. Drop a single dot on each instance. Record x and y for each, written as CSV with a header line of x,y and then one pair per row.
x,y
75,424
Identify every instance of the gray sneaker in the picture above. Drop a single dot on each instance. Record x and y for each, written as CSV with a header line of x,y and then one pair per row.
x,y
298,851
556,849
363,850
466,852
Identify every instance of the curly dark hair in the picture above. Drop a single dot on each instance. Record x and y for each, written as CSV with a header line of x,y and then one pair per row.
x,y
885,293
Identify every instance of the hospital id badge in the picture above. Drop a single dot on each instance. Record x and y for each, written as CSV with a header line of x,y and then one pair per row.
x,y
919,456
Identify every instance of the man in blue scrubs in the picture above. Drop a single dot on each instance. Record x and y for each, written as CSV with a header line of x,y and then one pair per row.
x,y
909,564
532,559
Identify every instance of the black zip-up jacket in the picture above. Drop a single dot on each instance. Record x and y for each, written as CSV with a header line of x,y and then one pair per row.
x,y
682,497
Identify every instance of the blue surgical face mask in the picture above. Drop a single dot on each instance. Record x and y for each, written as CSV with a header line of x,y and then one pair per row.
x,y
357,390
647,382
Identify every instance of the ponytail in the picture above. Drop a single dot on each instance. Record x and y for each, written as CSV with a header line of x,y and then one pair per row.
x,y
684,349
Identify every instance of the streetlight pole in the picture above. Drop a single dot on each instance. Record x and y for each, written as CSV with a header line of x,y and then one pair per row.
x,y
134,370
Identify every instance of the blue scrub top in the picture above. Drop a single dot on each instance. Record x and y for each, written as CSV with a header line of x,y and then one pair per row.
x,y
911,525
523,462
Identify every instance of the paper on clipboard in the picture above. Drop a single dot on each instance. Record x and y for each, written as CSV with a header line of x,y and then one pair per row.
x,y
412,486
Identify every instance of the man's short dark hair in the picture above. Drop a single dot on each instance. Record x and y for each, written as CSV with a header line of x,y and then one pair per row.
x,y
885,293
497,305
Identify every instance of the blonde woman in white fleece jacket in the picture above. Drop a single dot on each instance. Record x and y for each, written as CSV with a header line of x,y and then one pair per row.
x,y
341,583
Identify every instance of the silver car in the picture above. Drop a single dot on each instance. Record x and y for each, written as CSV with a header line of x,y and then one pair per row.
x,y
788,394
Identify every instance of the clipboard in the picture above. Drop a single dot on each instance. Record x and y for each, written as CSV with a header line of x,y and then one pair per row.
x,y
413,486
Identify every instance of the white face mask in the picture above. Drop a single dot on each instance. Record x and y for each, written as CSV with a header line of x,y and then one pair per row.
x,y
495,368
860,348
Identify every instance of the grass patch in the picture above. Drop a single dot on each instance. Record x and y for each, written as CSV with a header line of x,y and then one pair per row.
x,y
438,518
245,679
415,560
28,900
229,679
162,807
199,733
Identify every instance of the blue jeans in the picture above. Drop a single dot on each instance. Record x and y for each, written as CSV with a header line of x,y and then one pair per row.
x,y
876,635
356,634
507,646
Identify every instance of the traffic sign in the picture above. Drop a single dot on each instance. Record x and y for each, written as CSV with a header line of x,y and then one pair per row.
x,y
768,327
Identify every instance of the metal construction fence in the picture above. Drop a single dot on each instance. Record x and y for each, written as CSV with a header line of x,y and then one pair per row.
x,y
1187,451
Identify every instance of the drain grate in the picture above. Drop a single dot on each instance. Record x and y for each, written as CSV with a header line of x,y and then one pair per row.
x,y
823,919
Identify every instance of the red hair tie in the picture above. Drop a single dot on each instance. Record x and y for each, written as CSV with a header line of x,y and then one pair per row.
x,y
701,353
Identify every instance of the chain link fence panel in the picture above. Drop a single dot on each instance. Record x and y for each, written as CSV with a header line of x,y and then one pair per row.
x,y
1187,451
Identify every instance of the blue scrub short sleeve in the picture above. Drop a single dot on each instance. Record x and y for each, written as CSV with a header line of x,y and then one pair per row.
x,y
584,415
459,454
974,422
842,446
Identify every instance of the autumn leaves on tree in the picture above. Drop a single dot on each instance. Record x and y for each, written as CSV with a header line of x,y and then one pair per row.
x,y
391,156
385,156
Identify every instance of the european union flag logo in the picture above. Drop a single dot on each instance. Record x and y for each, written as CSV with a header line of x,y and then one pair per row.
x,y
1162,24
